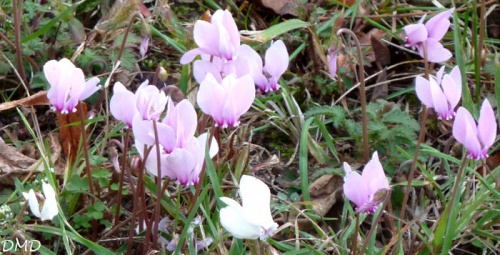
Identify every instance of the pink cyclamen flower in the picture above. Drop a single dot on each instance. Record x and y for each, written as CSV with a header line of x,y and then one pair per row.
x,y
442,94
332,61
144,46
253,219
67,85
430,34
277,60
122,104
364,189
477,139
228,100
219,37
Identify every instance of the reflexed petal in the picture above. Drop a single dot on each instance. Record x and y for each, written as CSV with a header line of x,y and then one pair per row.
x,y
207,44
242,93
190,55
438,25
439,75
91,86
457,77
214,146
256,198
202,67
332,61
166,137
487,125
415,33
438,99
423,90
49,209
211,98
143,130
276,59
355,189
121,104
33,203
374,175
464,130
452,91
232,218
179,165
229,37
435,51
186,120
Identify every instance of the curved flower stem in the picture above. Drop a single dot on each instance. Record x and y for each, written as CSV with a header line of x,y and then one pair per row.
x,y
362,92
86,152
158,184
372,229
421,138
355,240
122,175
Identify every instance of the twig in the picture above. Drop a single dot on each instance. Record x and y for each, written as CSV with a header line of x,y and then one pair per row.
x,y
122,175
18,9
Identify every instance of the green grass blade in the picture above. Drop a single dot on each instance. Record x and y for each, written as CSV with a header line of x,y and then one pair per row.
x,y
281,28
303,160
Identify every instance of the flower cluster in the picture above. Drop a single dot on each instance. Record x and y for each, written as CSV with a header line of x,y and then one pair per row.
x,y
228,71
181,153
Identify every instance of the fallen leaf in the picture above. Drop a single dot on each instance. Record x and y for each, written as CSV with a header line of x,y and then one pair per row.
x,y
40,98
14,164
69,135
282,7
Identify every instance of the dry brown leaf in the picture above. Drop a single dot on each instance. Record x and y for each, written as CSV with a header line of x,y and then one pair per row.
x,y
40,98
14,164
69,135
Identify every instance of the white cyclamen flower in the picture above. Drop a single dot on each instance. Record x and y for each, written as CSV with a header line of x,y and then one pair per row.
x,y
49,209
252,220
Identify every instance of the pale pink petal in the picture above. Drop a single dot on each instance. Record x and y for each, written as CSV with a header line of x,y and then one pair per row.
x,y
456,75
249,61
91,86
423,90
206,36
211,98
214,146
143,130
439,75
229,37
435,51
487,126
332,61
452,91
121,104
373,174
202,67
439,99
438,25
242,94
190,55
355,189
76,82
415,33
187,120
464,130
232,218
276,59
179,165
166,137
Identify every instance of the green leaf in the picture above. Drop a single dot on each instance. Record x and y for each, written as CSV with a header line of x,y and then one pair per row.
x,y
280,28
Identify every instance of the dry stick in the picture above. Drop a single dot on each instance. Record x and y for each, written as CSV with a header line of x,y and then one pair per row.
x,y
479,47
122,175
86,153
372,229
17,9
362,92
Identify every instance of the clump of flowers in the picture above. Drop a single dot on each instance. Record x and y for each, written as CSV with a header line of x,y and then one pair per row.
x,y
67,85
366,190
477,139
418,35
442,94
252,220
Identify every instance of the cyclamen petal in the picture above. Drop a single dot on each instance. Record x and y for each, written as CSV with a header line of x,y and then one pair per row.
x,y
49,208
121,105
150,101
332,61
252,220
486,127
277,60
363,189
438,25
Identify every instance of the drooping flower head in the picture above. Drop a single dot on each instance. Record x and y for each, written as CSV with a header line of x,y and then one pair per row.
x,y
430,34
228,100
442,94
253,219
477,139
219,37
277,60
364,189
49,208
67,85
332,61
